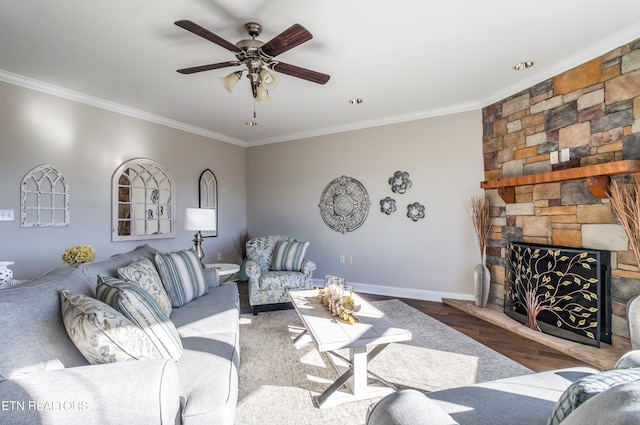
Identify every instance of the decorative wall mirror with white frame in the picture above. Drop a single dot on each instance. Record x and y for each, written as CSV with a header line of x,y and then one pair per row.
x,y
208,197
44,198
143,194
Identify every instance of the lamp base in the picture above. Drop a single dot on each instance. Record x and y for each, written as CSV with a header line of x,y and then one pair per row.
x,y
197,240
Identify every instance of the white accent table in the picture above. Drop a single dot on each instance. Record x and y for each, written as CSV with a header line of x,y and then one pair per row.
x,y
364,340
224,269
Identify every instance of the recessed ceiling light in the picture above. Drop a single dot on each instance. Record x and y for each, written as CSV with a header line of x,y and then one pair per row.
x,y
523,65
251,123
356,101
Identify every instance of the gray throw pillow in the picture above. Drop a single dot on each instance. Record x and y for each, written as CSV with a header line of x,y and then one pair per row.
x,y
588,387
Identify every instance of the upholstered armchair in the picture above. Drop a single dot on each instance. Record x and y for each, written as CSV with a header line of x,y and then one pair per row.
x,y
276,264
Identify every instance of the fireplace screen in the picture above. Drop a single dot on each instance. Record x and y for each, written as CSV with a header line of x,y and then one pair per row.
x,y
560,291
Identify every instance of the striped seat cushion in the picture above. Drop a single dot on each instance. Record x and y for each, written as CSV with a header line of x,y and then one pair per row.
x,y
288,255
142,310
181,275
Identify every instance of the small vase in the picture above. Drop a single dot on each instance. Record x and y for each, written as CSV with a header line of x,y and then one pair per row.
x,y
481,285
6,274
243,271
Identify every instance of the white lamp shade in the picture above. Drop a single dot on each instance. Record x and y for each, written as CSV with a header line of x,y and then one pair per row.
x,y
199,219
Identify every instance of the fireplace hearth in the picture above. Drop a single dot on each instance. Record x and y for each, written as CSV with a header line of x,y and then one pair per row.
x,y
560,291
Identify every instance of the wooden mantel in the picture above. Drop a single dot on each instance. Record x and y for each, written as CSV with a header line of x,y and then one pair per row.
x,y
597,178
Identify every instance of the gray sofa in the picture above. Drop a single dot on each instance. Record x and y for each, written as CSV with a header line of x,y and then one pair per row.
x,y
44,379
572,396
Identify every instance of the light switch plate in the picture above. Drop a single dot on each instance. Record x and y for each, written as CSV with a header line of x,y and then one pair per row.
x,y
553,157
6,215
565,155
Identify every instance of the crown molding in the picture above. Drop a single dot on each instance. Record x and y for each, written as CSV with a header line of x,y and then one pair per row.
x,y
75,96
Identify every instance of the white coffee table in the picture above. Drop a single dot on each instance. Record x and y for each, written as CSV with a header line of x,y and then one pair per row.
x,y
224,269
364,340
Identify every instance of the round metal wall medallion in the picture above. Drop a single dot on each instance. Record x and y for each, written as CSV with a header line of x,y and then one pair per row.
x,y
344,204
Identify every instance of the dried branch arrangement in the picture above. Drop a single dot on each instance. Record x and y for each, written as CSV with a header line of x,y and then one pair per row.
x,y
478,209
625,199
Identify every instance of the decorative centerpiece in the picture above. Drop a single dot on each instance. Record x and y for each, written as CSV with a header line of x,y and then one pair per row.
x,y
78,254
478,209
338,298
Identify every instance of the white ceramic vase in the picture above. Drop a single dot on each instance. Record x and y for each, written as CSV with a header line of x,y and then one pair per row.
x,y
481,284
6,275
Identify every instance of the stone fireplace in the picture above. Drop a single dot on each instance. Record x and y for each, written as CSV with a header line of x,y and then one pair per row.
x,y
593,113
560,291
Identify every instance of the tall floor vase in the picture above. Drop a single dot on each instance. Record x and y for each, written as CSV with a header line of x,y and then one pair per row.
x,y
481,284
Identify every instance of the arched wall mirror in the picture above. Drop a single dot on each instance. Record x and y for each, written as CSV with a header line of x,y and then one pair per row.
x,y
143,201
208,197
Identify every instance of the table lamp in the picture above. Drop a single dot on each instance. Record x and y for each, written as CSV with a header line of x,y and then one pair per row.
x,y
199,219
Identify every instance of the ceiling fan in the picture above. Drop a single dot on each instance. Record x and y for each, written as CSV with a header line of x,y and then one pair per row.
x,y
257,56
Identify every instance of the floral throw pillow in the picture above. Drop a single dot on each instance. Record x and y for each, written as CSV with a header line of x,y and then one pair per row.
x,y
102,334
144,273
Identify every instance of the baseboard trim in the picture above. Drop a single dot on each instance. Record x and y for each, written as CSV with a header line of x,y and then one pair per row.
x,y
394,291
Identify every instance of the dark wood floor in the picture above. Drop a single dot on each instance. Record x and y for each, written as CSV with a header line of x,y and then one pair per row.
x,y
536,357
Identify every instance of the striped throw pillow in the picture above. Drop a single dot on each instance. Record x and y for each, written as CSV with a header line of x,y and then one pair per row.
x,y
142,310
182,277
288,255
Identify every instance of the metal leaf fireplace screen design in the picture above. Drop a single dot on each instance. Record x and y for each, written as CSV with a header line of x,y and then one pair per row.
x,y
560,291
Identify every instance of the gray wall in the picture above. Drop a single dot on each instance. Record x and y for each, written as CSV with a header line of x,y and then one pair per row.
x,y
86,144
270,189
428,259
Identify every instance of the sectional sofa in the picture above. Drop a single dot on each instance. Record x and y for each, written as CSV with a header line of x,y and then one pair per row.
x,y
572,396
46,379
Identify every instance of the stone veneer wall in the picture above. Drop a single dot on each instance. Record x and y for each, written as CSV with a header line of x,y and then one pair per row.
x,y
594,110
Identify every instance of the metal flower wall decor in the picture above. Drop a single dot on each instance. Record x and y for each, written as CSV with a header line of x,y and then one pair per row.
x,y
400,182
388,205
415,211
344,204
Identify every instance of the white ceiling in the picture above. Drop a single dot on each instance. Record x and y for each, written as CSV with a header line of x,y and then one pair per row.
x,y
408,59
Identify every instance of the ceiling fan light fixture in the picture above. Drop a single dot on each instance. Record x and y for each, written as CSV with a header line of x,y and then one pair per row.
x,y
262,94
230,81
269,79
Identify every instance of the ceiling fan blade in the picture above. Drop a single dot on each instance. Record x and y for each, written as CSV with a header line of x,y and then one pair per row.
x,y
206,34
293,36
209,67
296,71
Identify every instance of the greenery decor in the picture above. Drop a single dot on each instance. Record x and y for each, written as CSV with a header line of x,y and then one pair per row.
x,y
478,209
625,201
78,254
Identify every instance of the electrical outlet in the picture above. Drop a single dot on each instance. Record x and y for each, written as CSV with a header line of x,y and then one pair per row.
x,y
6,215
349,260
342,259
553,157
219,256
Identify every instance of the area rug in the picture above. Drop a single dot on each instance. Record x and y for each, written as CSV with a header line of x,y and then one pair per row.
x,y
279,380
